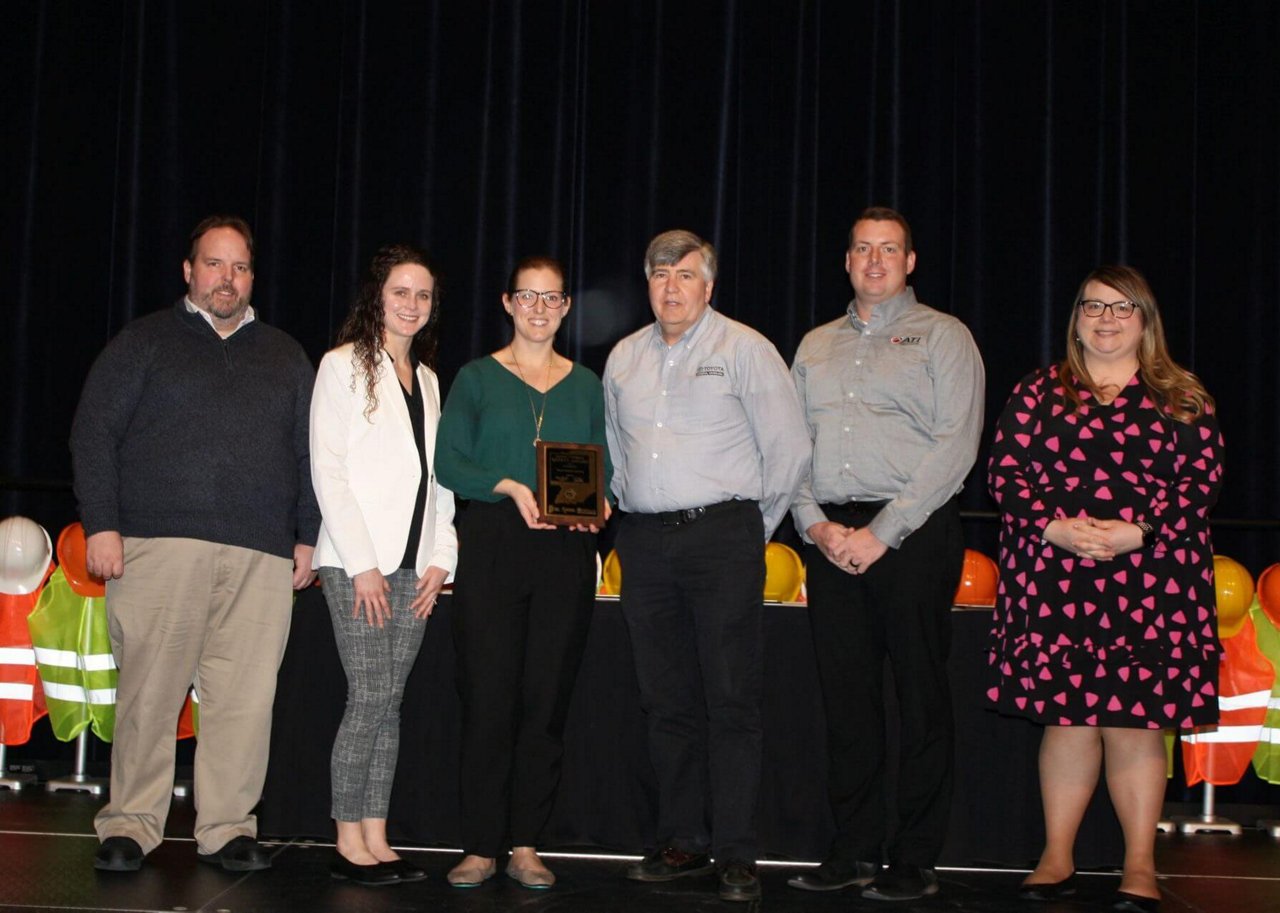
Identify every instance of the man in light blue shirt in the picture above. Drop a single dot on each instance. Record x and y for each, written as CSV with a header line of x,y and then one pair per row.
x,y
708,445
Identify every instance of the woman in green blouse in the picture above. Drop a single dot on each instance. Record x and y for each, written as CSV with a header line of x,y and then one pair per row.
x,y
524,590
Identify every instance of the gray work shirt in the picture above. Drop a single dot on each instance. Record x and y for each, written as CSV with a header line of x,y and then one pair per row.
x,y
712,418
894,406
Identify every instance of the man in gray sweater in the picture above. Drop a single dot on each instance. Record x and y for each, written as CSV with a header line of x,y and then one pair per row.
x,y
190,452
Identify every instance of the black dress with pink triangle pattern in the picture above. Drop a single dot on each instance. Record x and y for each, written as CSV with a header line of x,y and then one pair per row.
x,y
1130,642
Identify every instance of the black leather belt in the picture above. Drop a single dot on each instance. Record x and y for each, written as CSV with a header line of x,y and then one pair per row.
x,y
693,514
854,507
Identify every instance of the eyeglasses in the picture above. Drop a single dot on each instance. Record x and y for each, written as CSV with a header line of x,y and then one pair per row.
x,y
1120,310
527,298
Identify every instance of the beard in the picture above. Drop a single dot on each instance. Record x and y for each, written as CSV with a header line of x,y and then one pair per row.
x,y
221,308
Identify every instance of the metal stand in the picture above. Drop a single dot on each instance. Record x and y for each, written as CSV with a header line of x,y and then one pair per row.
x,y
14,782
1207,822
182,788
1166,826
78,781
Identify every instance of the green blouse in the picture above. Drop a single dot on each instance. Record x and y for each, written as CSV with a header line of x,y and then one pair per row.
x,y
487,428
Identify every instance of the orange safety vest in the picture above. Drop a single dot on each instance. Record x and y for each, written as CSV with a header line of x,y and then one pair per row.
x,y
189,719
1221,754
21,698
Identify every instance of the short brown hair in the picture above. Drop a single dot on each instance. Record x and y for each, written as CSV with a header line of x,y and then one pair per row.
x,y
883,214
209,223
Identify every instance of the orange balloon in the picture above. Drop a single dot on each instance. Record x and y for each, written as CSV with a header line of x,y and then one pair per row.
x,y
977,580
71,558
1269,593
1234,586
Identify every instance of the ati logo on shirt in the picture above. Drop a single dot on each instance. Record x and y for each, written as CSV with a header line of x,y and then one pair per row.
x,y
905,340
710,371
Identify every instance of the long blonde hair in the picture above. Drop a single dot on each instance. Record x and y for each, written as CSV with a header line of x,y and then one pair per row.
x,y
1175,389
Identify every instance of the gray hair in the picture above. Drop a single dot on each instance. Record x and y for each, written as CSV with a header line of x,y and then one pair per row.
x,y
670,247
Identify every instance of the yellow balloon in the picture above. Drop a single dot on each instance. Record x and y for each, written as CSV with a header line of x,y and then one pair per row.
x,y
1234,586
783,573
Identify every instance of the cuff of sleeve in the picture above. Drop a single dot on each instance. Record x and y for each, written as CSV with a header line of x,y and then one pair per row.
x,y
446,561
890,528
804,516
98,519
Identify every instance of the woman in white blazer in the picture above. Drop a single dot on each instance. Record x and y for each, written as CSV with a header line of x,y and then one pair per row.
x,y
387,543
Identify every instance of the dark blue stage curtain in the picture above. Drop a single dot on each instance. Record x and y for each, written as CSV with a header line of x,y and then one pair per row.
x,y
1027,142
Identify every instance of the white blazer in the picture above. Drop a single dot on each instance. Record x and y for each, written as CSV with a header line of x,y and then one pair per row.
x,y
366,471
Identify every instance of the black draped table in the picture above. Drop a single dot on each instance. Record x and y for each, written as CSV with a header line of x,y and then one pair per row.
x,y
607,796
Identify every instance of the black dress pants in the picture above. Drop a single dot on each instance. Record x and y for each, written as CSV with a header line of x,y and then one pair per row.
x,y
692,599
522,600
900,609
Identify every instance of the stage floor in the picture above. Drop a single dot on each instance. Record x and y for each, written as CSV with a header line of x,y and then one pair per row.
x,y
47,845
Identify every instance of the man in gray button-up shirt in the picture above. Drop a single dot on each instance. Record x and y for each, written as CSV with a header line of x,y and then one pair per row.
x,y
893,393
708,446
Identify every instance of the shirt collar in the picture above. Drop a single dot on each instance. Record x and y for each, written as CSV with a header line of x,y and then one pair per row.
x,y
885,312
245,319
689,335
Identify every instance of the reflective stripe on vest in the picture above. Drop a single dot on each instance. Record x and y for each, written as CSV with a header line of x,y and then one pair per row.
x,y
1221,754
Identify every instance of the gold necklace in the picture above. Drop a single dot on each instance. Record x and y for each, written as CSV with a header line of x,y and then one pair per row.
x,y
536,413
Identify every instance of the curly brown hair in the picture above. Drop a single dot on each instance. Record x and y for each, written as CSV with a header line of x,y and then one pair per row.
x,y
363,327
1179,392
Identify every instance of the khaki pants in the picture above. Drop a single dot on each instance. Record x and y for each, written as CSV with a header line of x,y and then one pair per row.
x,y
188,610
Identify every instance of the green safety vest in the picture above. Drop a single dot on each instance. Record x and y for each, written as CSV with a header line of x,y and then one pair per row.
x,y
1266,760
73,656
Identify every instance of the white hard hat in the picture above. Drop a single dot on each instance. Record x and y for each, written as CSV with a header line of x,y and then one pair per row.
x,y
25,551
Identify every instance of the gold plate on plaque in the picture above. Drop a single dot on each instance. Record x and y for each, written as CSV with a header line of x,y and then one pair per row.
x,y
571,483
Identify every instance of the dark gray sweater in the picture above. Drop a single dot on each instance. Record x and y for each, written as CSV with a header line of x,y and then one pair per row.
x,y
181,433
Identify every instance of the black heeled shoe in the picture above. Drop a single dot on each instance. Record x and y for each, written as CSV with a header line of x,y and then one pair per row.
x,y
1048,890
1135,903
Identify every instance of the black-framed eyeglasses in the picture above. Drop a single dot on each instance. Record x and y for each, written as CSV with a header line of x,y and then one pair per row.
x,y
1120,310
527,298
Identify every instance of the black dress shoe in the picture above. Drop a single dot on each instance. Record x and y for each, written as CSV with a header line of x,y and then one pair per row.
x,y
374,875
738,881
406,870
240,854
902,882
1135,903
668,864
118,854
1048,890
832,877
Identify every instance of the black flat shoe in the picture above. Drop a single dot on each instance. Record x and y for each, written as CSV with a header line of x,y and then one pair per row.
x,y
1135,903
407,871
1048,890
376,875
118,854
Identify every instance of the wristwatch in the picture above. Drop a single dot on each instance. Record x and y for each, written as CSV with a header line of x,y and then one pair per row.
x,y
1148,532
